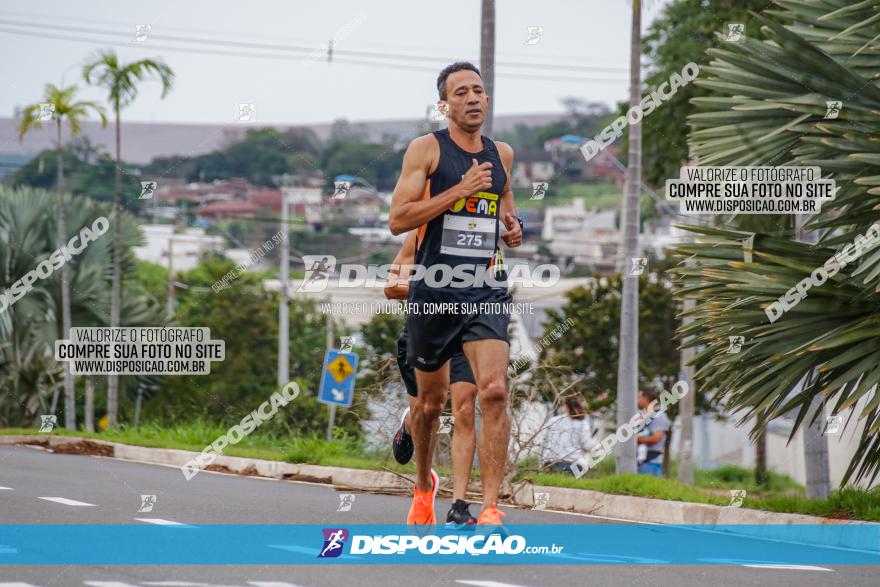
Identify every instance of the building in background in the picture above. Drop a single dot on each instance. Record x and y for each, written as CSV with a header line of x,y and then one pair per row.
x,y
186,246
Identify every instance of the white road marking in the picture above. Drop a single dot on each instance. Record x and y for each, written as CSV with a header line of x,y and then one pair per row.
x,y
161,522
65,501
6,489
16,585
307,550
791,567
607,558
162,584
486,583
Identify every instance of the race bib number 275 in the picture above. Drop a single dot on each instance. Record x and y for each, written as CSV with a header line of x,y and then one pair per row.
x,y
466,236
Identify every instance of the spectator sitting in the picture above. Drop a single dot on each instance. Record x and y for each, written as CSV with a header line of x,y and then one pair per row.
x,y
568,437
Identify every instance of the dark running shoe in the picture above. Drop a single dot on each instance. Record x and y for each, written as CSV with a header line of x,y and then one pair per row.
x,y
402,444
459,517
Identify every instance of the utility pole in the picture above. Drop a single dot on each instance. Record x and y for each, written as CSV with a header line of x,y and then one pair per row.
x,y
90,404
628,365
283,315
169,307
331,421
688,402
816,467
487,59
686,407
137,406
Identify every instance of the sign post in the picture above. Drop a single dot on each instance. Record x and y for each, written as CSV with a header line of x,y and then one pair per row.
x,y
337,382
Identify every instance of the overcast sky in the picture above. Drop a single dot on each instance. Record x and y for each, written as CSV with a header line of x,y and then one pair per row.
x,y
273,53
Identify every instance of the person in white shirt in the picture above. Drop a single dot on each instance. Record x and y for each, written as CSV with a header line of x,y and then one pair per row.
x,y
568,437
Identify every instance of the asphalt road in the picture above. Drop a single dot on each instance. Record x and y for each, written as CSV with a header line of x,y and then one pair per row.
x,y
97,490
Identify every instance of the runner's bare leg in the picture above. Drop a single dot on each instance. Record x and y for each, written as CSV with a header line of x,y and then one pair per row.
x,y
407,420
433,388
489,361
464,437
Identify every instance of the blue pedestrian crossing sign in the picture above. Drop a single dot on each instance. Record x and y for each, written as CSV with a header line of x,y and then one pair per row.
x,y
337,378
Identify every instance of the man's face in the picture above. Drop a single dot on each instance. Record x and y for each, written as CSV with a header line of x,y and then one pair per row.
x,y
467,100
644,402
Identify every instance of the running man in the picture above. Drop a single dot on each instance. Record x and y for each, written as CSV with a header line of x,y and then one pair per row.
x,y
462,386
464,395
467,178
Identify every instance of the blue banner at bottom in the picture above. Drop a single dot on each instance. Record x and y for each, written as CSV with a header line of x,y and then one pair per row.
x,y
623,544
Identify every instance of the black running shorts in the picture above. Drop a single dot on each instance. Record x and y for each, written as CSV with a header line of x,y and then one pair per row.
x,y
459,368
435,337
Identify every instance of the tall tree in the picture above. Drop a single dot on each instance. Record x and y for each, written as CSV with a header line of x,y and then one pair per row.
x,y
681,33
628,366
590,346
65,110
120,80
487,58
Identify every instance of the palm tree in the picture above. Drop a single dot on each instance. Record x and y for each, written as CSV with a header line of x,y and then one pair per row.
x,y
487,58
771,109
66,109
120,81
628,366
28,372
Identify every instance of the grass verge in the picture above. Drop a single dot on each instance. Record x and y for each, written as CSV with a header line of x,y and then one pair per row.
x,y
847,504
340,452
781,494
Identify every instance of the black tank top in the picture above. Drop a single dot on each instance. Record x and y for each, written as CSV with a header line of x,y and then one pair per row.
x,y
468,232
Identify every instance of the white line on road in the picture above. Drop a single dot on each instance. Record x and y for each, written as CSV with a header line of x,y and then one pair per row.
x,y
176,583
161,522
16,585
65,501
5,489
791,567
162,584
309,550
189,584
486,583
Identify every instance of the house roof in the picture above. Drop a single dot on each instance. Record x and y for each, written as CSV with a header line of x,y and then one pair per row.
x,y
228,208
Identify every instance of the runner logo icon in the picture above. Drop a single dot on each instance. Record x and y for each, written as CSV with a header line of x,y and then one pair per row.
x,y
318,269
334,540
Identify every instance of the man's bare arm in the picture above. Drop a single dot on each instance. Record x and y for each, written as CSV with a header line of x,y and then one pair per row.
x,y
408,209
513,236
653,438
397,286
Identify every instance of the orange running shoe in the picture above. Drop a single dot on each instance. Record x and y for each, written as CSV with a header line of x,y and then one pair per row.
x,y
489,522
491,515
422,509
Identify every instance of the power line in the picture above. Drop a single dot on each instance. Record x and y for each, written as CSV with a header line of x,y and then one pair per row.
x,y
308,51
319,44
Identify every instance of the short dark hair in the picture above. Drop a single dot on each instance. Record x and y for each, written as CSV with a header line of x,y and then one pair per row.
x,y
449,70
651,394
575,409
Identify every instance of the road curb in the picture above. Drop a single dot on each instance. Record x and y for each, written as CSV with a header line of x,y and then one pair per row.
x,y
743,521
354,478
731,520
